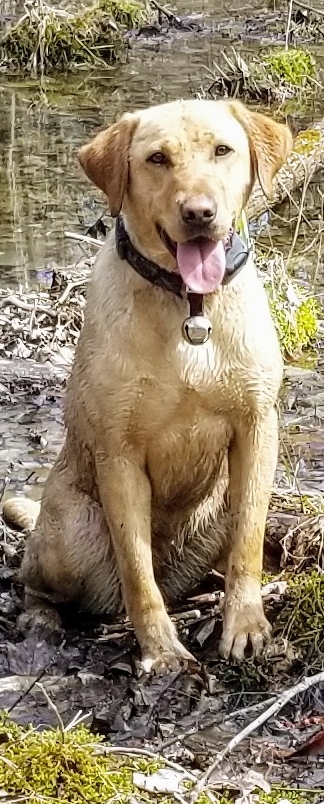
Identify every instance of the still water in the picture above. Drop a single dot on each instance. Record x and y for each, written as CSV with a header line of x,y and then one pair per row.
x,y
42,189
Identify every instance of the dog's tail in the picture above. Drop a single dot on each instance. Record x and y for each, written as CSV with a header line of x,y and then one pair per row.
x,y
21,512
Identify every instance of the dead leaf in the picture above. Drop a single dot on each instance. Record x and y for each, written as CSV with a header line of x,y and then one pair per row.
x,y
165,780
312,747
205,631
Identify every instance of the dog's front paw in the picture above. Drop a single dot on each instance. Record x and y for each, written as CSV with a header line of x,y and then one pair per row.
x,y
163,652
168,662
245,625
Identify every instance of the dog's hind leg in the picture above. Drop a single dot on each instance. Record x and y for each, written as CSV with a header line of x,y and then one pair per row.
x,y
69,557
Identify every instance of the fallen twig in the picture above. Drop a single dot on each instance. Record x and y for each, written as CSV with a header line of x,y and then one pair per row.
x,y
21,305
168,14
70,286
208,724
284,698
143,752
92,241
51,705
288,27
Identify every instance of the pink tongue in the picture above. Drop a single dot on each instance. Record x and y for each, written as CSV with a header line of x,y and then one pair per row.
x,y
201,264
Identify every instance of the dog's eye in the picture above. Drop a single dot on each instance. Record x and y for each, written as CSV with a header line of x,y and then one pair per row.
x,y
222,150
158,158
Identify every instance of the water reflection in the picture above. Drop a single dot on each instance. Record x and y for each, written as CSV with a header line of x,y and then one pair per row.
x,y
42,190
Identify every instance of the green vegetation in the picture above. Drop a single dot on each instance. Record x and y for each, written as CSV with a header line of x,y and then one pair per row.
x,y
297,327
275,75
306,141
295,313
301,618
47,39
294,796
278,795
294,67
69,766
74,766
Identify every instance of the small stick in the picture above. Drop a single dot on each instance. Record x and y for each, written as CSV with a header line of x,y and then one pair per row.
x,y
142,752
21,305
51,705
179,738
168,14
191,614
32,684
84,239
290,8
284,698
70,286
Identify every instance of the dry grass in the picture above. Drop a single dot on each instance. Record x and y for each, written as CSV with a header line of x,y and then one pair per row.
x,y
47,39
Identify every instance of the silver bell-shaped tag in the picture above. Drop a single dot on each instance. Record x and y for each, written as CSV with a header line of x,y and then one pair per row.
x,y
196,329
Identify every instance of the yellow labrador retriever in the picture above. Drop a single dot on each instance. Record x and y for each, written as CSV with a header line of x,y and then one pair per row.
x,y
171,428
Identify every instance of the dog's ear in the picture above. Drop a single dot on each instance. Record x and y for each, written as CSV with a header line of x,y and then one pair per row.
x,y
270,144
105,160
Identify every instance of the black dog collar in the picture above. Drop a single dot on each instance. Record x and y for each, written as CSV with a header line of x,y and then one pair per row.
x,y
197,328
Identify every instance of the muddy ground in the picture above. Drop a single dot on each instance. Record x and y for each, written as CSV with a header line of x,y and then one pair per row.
x,y
94,667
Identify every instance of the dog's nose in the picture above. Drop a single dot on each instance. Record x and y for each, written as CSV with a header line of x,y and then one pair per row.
x,y
199,210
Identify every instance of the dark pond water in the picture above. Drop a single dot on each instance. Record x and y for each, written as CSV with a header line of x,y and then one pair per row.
x,y
42,191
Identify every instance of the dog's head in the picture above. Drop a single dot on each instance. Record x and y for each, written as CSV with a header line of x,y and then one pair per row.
x,y
182,172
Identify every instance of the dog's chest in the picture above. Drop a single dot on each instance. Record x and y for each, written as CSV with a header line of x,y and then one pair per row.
x,y
187,427
200,368
185,451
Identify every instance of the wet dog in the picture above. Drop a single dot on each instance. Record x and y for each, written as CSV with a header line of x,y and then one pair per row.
x,y
171,446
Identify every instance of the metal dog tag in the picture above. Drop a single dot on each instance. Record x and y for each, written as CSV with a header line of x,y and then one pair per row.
x,y
196,329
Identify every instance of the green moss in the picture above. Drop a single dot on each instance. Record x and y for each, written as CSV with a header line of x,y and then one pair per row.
x,y
272,75
294,796
295,314
48,39
63,766
301,618
295,66
297,328
306,140
276,795
71,766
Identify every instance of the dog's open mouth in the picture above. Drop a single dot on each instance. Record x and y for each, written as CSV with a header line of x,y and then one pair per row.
x,y
201,262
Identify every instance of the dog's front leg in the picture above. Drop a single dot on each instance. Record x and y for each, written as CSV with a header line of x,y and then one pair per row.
x,y
125,493
252,464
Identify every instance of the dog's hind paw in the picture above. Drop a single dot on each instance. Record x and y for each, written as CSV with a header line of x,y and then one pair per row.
x,y
43,620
